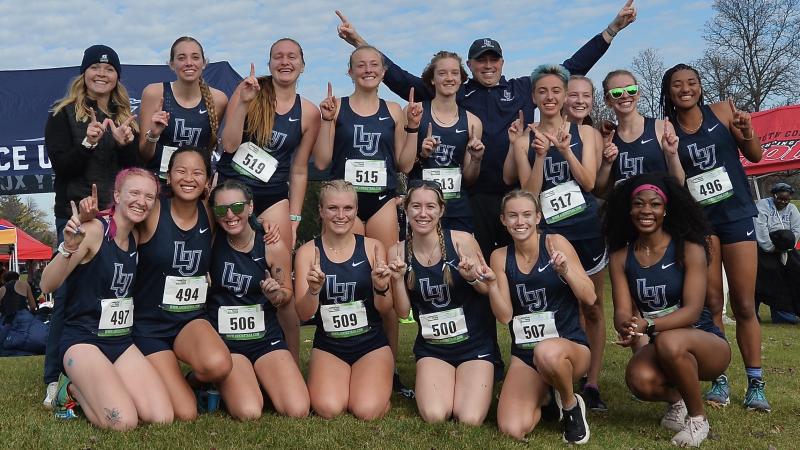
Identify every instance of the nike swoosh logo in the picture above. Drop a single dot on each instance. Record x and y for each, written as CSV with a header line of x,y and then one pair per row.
x,y
203,230
274,342
381,197
203,111
750,232
133,254
573,145
384,118
484,355
356,264
460,131
291,119
469,93
597,258
712,128
664,266
646,141
541,269
258,259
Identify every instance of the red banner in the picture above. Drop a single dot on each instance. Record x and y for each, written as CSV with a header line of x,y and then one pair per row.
x,y
779,130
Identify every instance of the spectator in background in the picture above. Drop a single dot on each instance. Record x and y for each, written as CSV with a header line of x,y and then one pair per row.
x,y
15,295
777,232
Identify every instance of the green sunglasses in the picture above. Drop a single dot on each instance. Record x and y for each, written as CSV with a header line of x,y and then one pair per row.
x,y
630,90
236,208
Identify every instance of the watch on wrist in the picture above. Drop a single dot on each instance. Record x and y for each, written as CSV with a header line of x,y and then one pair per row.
x,y
150,138
63,250
651,327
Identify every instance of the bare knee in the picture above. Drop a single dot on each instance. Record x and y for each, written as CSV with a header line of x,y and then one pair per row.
x,y
472,417
158,415
214,368
297,409
246,410
642,381
371,410
547,361
743,310
118,420
669,349
185,413
434,413
515,428
327,408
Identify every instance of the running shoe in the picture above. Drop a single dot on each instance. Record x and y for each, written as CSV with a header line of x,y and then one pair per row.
x,y
401,388
693,433
592,398
675,417
754,398
52,389
720,393
576,429
63,403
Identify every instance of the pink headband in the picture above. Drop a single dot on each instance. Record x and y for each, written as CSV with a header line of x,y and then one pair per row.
x,y
650,187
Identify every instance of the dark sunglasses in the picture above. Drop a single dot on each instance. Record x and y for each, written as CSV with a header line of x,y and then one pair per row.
x,y
413,184
630,90
222,210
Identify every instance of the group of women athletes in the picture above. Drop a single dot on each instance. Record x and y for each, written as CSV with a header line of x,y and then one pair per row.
x,y
177,273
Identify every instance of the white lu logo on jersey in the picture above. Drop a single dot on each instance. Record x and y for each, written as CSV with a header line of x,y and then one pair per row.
x,y
276,140
438,295
185,135
653,296
366,143
237,283
703,158
186,262
443,154
629,167
121,282
533,300
339,292
556,173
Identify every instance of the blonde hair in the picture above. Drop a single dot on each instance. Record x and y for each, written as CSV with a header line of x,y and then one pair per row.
x,y
205,91
336,186
119,104
261,112
520,193
411,277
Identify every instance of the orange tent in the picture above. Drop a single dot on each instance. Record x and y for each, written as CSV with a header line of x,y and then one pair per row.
x,y
25,247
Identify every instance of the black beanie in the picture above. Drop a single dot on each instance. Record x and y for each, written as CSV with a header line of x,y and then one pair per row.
x,y
100,54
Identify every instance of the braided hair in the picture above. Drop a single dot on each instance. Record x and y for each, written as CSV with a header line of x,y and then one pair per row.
x,y
665,100
411,278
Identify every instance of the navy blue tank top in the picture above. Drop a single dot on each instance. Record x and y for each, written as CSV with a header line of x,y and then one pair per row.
x,y
287,132
109,275
347,282
170,252
542,289
710,147
432,295
236,280
449,154
584,225
186,126
12,301
642,155
366,138
657,290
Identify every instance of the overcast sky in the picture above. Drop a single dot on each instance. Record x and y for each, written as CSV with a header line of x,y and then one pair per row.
x,y
47,33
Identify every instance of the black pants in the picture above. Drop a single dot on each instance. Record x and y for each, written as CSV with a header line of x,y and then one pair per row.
x,y
489,232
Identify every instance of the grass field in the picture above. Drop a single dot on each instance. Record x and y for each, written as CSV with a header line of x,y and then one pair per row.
x,y
630,424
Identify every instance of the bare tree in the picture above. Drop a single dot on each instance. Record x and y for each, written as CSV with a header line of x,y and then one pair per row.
x,y
719,79
601,111
763,38
648,66
27,216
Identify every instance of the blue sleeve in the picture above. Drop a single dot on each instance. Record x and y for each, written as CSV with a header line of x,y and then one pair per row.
x,y
587,56
400,82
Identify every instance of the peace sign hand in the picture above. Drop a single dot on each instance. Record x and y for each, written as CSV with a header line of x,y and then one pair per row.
x,y
560,141
413,111
380,272
429,144
741,120
348,32
249,86
475,147
669,140
73,233
484,272
95,129
123,134
541,143
398,266
315,276
467,266
328,106
160,120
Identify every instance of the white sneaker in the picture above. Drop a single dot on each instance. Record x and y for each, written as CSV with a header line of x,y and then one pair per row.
x,y
52,388
675,416
694,432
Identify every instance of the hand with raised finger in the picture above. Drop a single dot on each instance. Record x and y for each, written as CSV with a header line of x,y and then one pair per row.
x,y
608,129
429,144
558,260
328,106
561,142
413,111
271,289
249,86
398,266
160,120
315,276
95,129
541,144
88,206
73,232
123,134
272,232
484,272
348,32
610,153
517,128
474,146
625,17
669,140
741,120
380,272
466,265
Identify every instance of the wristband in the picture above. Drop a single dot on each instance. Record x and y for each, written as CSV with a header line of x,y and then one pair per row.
x,y
150,138
383,292
752,132
411,130
473,282
295,217
611,32
63,250
88,145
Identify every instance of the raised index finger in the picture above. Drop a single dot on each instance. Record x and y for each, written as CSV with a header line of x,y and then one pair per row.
x,y
316,256
628,3
129,120
330,90
252,70
74,208
411,95
342,17
430,130
92,115
521,118
733,107
94,192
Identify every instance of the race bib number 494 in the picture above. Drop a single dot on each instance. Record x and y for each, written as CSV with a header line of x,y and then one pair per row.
x,y
183,294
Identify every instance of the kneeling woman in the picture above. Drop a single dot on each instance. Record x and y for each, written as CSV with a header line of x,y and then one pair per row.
x,y
659,266
97,261
536,285
454,347
250,283
341,279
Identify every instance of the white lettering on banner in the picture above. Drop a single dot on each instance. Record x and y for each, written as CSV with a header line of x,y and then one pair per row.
x,y
19,155
44,159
